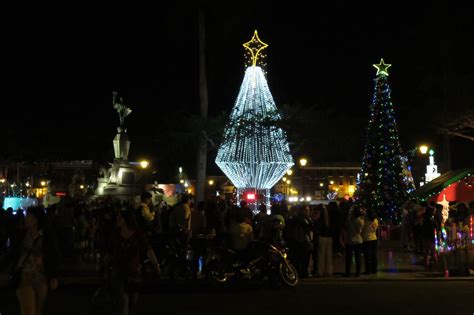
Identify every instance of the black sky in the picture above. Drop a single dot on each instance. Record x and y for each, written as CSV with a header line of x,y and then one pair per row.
x,y
61,66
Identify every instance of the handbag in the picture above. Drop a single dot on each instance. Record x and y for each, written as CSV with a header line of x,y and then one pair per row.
x,y
14,278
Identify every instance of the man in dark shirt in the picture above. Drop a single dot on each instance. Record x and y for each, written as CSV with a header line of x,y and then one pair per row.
x,y
245,210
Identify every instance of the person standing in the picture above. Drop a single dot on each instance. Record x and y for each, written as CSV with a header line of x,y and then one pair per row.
x,y
323,227
369,235
406,224
145,216
299,234
246,211
240,233
36,260
353,240
181,217
198,238
129,249
259,218
428,237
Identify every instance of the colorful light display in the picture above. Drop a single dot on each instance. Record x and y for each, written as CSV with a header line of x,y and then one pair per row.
x,y
382,184
254,153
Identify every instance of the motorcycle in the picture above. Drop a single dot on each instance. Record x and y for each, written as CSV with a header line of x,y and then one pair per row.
x,y
268,262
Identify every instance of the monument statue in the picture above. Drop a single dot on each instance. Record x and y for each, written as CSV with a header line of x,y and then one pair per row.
x,y
121,142
119,180
122,110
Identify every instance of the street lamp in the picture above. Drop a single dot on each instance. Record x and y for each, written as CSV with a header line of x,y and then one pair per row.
x,y
423,149
144,164
211,182
303,163
289,172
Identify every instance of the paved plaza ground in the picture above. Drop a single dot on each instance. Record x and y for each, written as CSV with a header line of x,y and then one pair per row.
x,y
402,286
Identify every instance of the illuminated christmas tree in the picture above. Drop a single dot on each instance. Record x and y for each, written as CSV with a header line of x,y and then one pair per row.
x,y
254,153
383,184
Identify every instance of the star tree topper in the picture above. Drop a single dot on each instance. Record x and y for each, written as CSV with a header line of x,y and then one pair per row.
x,y
254,46
382,67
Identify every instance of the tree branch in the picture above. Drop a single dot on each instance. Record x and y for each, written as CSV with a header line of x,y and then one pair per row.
x,y
458,134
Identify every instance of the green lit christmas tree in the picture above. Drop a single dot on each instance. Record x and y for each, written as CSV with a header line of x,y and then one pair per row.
x,y
383,184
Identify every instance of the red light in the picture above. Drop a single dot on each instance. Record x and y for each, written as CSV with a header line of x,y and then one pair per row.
x,y
250,196
60,194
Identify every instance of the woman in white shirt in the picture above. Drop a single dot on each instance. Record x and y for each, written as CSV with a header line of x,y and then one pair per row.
x,y
369,235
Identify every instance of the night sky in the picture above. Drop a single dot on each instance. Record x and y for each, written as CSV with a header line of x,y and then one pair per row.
x,y
60,69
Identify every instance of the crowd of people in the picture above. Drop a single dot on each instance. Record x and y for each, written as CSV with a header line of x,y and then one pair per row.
x,y
116,235
426,226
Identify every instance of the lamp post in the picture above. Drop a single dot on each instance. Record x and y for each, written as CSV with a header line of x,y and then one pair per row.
x,y
415,164
303,162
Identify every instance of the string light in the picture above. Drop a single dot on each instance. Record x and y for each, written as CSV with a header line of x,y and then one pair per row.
x,y
470,230
439,188
254,152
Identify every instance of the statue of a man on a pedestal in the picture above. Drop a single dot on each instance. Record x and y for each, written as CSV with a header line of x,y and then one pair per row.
x,y
121,109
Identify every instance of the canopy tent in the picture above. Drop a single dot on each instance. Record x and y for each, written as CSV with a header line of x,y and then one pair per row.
x,y
455,185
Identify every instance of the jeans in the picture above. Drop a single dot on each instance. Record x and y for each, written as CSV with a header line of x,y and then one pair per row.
x,y
370,256
353,250
324,256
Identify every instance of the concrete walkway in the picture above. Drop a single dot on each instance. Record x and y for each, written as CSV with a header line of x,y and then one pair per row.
x,y
393,264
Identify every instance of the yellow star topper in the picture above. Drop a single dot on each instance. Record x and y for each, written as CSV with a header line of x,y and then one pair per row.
x,y
382,67
254,46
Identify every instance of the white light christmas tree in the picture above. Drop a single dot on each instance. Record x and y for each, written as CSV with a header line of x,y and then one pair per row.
x,y
255,153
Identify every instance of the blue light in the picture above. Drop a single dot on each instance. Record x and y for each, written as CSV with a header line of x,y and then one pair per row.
x,y
19,203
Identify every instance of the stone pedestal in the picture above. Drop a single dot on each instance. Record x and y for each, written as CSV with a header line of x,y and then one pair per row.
x,y
121,146
120,179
